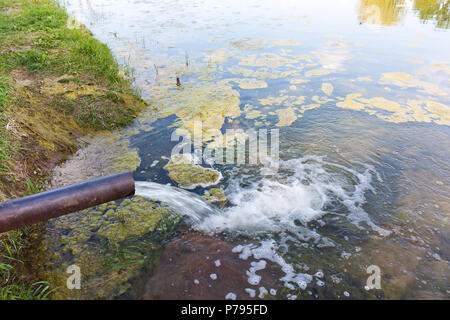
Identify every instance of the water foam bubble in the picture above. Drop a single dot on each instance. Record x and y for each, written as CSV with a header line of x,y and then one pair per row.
x,y
298,194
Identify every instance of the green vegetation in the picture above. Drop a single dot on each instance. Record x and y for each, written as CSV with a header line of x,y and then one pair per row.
x,y
13,285
56,84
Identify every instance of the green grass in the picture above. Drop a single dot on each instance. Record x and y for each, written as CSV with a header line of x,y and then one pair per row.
x,y
44,25
5,143
33,60
12,285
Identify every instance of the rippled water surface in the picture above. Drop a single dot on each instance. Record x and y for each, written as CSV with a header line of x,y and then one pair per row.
x,y
359,91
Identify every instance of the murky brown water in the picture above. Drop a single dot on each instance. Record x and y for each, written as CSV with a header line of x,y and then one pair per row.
x,y
360,93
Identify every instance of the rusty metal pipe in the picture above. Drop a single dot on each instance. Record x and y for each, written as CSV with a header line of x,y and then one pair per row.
x,y
54,203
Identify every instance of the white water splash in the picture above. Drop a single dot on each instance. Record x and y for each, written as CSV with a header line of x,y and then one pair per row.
x,y
301,192
298,194
183,202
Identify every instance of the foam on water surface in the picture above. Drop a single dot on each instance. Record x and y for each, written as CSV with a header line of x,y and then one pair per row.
x,y
302,191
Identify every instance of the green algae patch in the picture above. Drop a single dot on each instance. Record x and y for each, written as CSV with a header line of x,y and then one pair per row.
x,y
248,44
113,244
263,73
268,60
251,83
216,57
190,176
203,106
132,218
216,196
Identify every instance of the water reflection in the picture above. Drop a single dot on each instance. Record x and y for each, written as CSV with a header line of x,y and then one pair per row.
x,y
392,12
434,10
382,12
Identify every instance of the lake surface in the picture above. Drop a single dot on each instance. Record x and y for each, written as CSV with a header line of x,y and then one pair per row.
x,y
360,94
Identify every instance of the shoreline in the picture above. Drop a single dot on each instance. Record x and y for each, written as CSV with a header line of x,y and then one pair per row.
x,y
57,84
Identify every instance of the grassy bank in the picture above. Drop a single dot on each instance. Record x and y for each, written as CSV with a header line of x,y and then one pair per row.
x,y
57,83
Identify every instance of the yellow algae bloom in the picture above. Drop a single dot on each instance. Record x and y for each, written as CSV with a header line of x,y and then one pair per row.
x,y
298,81
248,44
396,76
269,60
405,80
305,57
206,103
286,117
292,88
251,83
309,107
253,114
248,61
317,99
368,79
295,101
427,111
270,101
288,101
317,72
263,73
383,104
349,102
415,110
327,88
441,67
289,73
223,141
414,61
218,56
244,71
284,43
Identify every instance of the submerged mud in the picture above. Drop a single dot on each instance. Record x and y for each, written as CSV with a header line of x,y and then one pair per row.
x,y
200,267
